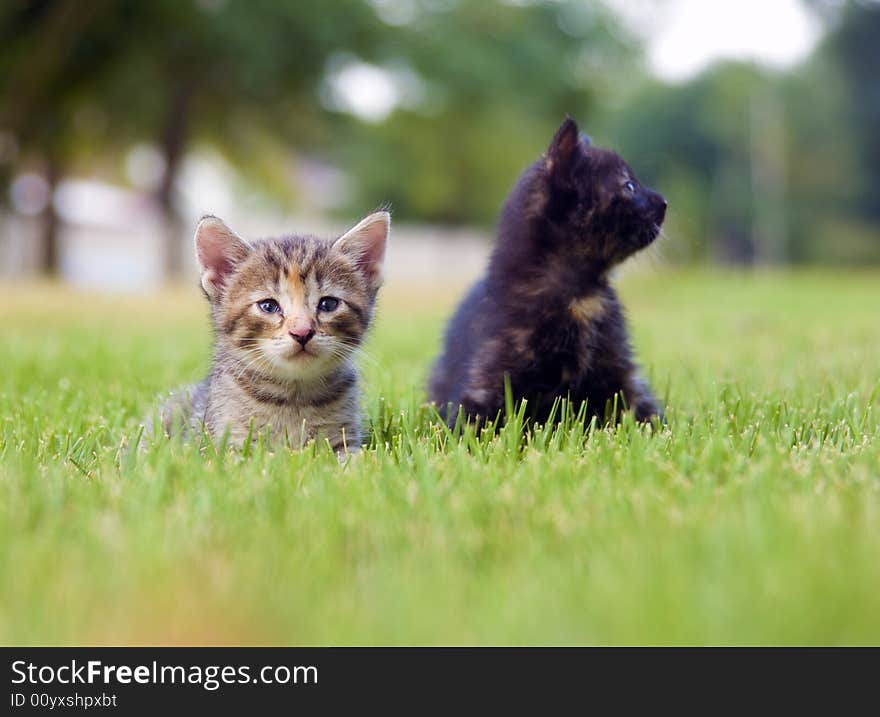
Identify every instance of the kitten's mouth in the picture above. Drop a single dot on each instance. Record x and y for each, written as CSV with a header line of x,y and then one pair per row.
x,y
649,235
297,354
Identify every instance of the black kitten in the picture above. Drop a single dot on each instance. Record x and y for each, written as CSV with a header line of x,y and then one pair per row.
x,y
545,313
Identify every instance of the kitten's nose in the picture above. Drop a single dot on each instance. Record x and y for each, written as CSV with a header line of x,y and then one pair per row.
x,y
661,212
302,335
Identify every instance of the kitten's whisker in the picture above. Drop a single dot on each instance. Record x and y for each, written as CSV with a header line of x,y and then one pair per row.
x,y
253,358
359,351
355,355
359,354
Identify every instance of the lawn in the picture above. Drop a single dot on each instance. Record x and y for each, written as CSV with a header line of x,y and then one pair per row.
x,y
753,518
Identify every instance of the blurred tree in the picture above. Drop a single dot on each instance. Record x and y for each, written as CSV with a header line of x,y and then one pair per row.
x,y
759,166
225,71
493,81
823,175
854,45
53,53
699,142
165,71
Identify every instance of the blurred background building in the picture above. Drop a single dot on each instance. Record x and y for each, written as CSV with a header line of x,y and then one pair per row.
x,y
122,121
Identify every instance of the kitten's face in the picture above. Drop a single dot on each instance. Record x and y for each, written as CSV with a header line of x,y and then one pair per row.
x,y
291,308
595,198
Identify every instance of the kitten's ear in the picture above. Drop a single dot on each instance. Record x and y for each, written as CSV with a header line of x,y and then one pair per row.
x,y
366,243
563,149
218,250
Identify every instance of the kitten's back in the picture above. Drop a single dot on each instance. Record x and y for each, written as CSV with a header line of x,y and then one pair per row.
x,y
462,338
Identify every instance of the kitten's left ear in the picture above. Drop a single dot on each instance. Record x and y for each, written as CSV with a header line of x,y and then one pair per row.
x,y
365,243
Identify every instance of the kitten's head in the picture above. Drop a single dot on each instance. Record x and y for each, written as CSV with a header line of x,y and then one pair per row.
x,y
594,200
295,307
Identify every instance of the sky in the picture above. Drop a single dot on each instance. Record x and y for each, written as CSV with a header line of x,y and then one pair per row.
x,y
684,36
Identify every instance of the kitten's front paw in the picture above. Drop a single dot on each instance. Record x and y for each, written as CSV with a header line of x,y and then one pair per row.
x,y
480,406
647,411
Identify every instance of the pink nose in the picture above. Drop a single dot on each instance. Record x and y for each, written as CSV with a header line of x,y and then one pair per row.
x,y
302,334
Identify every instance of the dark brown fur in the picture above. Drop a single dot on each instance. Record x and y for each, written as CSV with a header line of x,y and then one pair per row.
x,y
545,314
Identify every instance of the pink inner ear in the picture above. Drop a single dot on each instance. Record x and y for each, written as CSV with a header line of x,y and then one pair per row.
x,y
366,242
213,258
374,248
218,248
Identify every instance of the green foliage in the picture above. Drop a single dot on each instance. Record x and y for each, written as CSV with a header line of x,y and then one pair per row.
x,y
498,78
754,517
91,80
411,165
53,54
759,166
737,143
693,142
854,48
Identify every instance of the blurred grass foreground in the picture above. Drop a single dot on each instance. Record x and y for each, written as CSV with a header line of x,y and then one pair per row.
x,y
753,518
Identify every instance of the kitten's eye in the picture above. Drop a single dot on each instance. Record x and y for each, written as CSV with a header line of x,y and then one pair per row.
x,y
269,306
328,303
630,187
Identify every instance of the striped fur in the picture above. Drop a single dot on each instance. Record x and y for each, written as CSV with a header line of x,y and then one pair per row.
x,y
263,379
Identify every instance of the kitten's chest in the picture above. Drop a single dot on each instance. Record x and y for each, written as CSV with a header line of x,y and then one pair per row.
x,y
296,425
286,419
570,350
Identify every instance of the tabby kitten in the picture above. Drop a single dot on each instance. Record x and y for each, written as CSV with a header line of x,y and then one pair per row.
x,y
288,315
545,314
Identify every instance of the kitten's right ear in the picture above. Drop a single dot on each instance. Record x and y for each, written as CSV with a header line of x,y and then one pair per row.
x,y
563,149
218,250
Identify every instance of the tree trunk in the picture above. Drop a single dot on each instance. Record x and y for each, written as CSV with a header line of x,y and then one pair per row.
x,y
174,138
50,258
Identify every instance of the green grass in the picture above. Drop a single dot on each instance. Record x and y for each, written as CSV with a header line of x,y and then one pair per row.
x,y
753,518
